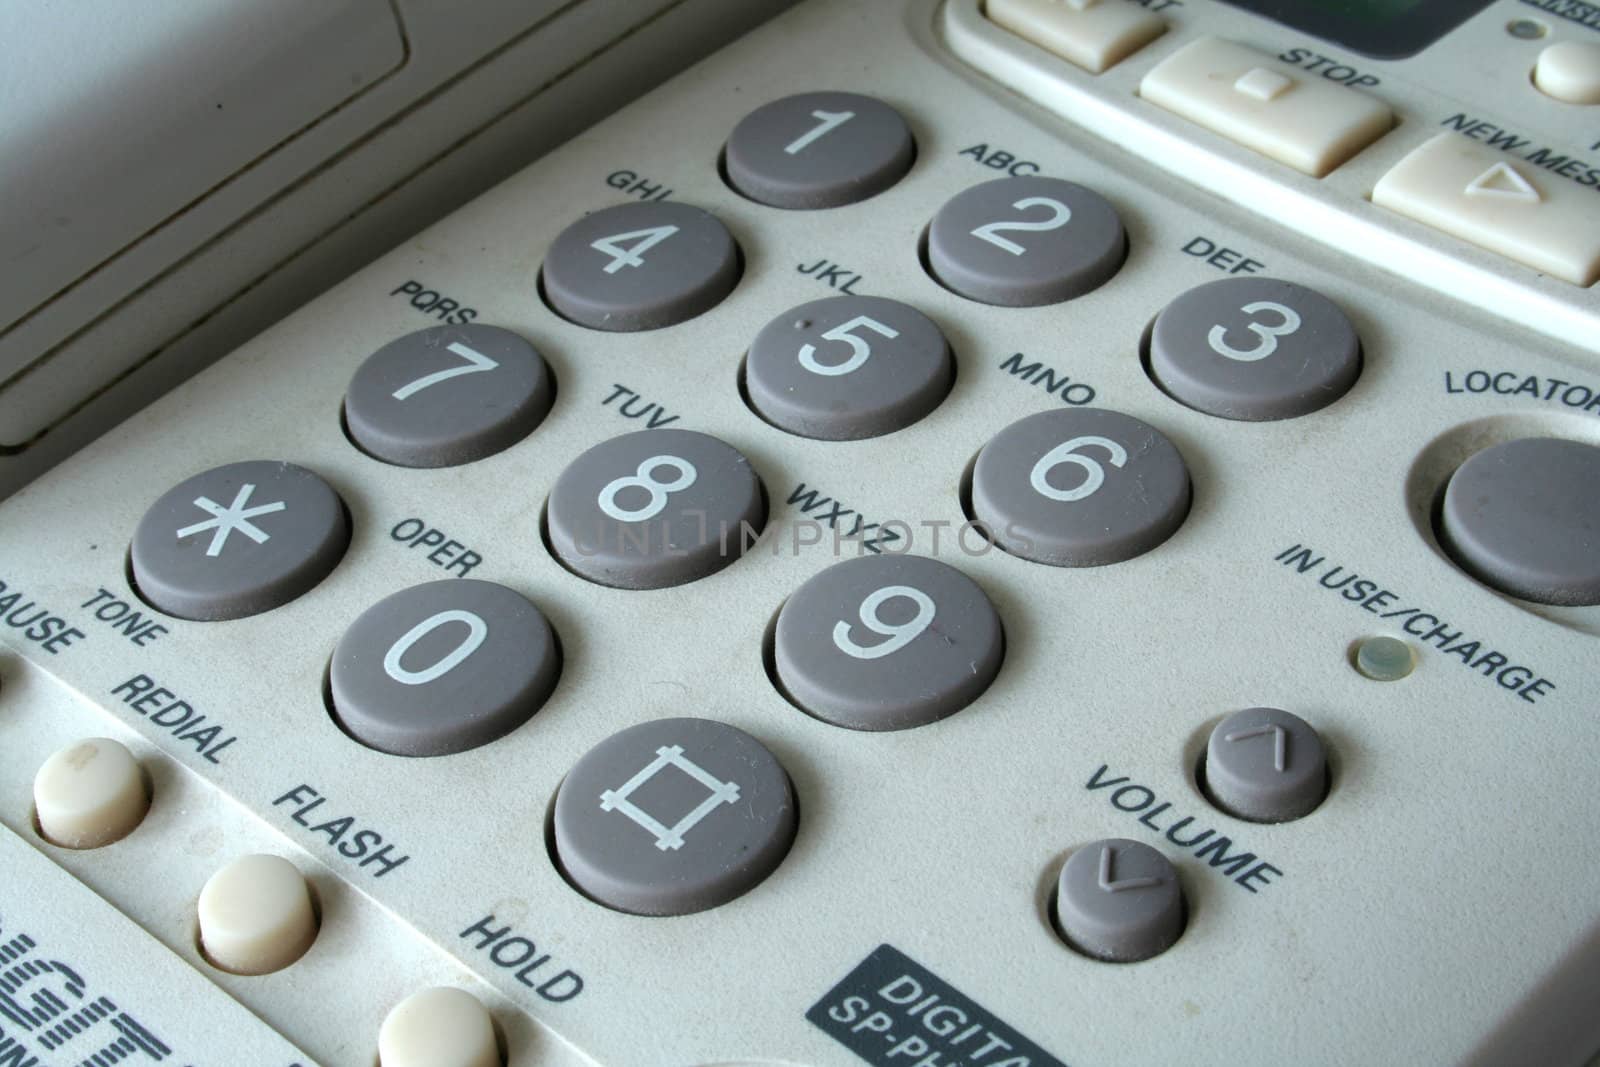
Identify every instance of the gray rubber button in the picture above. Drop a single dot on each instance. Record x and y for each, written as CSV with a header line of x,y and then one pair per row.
x,y
1080,488
1266,765
655,508
1254,349
1119,900
1021,242
1524,518
848,367
673,816
640,266
238,540
443,667
818,150
447,395
887,643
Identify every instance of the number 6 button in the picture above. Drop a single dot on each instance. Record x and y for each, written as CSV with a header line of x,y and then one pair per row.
x,y
640,266
655,508
442,668
1254,349
1080,488
887,643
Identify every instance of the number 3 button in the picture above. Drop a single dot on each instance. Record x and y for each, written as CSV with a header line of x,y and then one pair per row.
x,y
887,643
442,668
1254,349
1080,488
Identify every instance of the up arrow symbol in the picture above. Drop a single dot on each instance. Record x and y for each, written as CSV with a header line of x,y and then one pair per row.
x,y
1110,886
1280,742
1503,182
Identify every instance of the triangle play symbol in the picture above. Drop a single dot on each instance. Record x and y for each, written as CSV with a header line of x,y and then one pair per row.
x,y
1504,182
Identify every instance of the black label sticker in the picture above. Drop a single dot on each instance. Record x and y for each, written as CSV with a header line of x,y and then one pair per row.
x,y
893,1012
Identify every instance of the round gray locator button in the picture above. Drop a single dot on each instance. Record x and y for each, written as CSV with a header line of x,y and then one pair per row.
x,y
447,395
673,816
1119,900
1523,517
443,667
640,266
1021,242
1254,349
818,150
238,540
887,643
655,508
848,367
1080,488
1266,765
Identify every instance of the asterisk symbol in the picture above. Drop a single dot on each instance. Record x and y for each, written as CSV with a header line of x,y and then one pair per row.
x,y
225,520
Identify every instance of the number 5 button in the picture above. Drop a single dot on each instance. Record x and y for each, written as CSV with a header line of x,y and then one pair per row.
x,y
887,643
1080,488
442,668
1254,349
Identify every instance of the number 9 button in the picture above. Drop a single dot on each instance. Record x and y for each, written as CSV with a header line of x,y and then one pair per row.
x,y
655,508
1080,488
1022,242
848,367
442,668
887,643
1254,349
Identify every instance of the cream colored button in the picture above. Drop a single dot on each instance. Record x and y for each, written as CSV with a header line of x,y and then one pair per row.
x,y
1570,72
438,1028
1307,122
89,794
256,915
1092,34
1481,195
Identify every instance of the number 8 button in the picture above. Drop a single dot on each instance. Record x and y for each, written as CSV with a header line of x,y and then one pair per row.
x,y
887,643
1254,349
1080,488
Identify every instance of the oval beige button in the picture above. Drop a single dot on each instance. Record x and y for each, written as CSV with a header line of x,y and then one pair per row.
x,y
1570,71
256,915
440,1027
89,794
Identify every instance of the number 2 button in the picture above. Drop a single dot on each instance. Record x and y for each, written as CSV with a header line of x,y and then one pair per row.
x,y
1080,488
887,643
640,266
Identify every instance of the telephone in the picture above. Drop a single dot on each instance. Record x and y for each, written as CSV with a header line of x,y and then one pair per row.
x,y
951,533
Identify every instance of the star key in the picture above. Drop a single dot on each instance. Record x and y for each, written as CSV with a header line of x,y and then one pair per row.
x,y
292,530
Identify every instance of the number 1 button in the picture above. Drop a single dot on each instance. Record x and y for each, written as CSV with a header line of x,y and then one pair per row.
x,y
447,395
1080,488
887,643
1022,242
640,267
818,150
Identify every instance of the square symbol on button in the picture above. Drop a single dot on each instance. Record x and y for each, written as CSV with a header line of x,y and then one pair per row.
x,y
1263,84
668,838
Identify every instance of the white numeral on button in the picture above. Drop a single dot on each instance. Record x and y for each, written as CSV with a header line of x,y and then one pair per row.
x,y
477,630
643,479
1268,334
1094,475
831,120
1061,214
477,362
860,349
644,240
898,636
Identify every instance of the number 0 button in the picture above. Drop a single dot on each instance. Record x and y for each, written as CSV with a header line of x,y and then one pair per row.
x,y
640,266
848,367
655,508
818,150
1254,349
887,643
442,668
1021,242
447,395
1080,488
